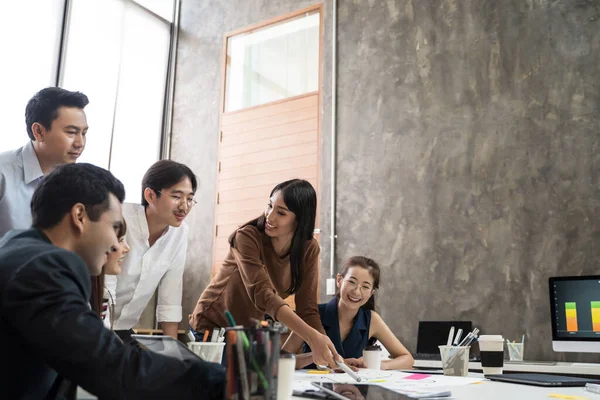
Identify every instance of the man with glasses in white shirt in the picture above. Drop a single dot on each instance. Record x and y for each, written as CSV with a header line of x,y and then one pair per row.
x,y
158,236
57,128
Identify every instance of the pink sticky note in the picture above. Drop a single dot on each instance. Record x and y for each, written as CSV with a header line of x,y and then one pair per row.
x,y
417,377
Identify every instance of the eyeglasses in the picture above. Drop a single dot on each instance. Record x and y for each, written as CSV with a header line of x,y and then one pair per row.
x,y
178,199
363,289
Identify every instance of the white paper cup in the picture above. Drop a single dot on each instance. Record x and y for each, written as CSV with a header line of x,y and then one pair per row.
x,y
285,376
372,357
208,351
491,350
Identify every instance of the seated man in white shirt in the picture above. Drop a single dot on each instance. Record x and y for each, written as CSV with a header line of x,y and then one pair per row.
x,y
56,125
157,236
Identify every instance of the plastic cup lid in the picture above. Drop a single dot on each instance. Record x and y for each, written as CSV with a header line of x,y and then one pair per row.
x,y
491,338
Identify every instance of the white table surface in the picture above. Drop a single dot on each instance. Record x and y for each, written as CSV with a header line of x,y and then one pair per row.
x,y
559,368
485,390
488,390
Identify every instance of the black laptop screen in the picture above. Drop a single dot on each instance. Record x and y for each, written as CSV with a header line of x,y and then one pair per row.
x,y
435,333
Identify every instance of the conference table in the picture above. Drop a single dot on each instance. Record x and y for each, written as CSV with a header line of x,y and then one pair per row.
x,y
475,386
489,390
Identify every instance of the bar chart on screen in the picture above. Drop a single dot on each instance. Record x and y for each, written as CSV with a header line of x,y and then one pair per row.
x,y
571,314
595,316
578,321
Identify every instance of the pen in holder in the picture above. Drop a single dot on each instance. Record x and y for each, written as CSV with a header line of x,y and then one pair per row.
x,y
515,349
252,360
455,360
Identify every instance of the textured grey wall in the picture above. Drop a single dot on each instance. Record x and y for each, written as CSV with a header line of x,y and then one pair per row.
x,y
469,156
468,138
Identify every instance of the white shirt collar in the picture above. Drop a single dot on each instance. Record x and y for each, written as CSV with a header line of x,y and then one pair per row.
x,y
142,220
31,164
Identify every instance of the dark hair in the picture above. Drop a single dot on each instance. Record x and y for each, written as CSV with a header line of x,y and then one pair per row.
x,y
43,106
166,173
374,270
97,296
70,184
300,198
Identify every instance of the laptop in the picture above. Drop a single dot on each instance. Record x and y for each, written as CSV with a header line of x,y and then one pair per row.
x,y
435,333
167,346
541,379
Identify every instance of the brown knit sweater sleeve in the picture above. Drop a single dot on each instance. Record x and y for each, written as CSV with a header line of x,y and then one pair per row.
x,y
253,273
307,296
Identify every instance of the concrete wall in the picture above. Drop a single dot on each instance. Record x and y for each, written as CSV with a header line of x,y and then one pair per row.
x,y
467,165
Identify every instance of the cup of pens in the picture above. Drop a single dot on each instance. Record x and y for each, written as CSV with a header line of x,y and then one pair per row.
x,y
515,349
455,354
208,351
252,362
455,360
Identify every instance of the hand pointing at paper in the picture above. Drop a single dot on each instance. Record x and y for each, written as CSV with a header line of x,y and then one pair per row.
x,y
323,350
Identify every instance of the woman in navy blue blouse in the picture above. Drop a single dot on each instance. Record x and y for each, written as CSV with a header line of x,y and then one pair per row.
x,y
351,322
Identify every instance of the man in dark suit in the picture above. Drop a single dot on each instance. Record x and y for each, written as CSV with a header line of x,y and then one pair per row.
x,y
48,333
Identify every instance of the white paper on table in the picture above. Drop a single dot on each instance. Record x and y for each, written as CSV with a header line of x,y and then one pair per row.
x,y
395,380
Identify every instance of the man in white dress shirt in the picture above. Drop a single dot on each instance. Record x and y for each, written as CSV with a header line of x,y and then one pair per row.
x,y
158,239
56,125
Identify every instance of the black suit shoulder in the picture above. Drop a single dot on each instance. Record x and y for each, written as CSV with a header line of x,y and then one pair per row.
x,y
28,262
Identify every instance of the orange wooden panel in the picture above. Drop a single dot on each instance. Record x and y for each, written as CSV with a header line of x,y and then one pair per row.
x,y
235,217
221,252
285,128
258,192
272,178
216,265
261,157
256,205
266,145
223,231
242,116
271,121
222,245
249,171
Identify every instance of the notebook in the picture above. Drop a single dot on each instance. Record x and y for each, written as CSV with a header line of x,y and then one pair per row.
x,y
434,333
541,379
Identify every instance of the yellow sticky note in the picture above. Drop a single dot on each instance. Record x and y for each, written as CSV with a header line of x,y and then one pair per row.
x,y
317,372
566,396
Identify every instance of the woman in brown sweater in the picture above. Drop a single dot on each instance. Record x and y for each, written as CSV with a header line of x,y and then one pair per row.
x,y
270,258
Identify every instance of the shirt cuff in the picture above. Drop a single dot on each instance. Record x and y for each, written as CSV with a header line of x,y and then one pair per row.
x,y
168,313
274,305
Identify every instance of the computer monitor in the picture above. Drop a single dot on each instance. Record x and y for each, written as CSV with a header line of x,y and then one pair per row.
x,y
575,313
